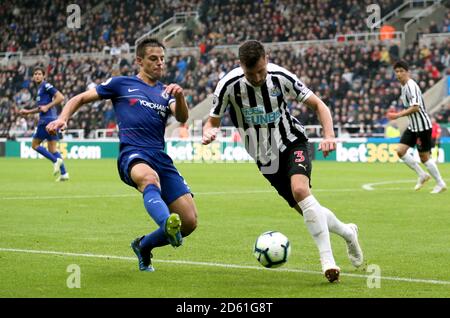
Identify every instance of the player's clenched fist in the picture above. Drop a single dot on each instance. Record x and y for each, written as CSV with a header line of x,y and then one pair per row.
x,y
209,135
56,125
327,145
174,90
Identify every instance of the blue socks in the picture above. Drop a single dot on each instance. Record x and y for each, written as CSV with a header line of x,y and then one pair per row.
x,y
51,156
154,239
47,154
159,212
155,205
63,168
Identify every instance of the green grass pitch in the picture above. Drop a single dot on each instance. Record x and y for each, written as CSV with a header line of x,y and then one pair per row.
x,y
90,221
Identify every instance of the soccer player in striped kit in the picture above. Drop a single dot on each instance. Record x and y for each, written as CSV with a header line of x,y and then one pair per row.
x,y
257,94
418,132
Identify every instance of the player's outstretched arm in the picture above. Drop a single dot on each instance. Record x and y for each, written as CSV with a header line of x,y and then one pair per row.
x,y
179,109
328,143
57,99
71,107
210,130
392,115
26,112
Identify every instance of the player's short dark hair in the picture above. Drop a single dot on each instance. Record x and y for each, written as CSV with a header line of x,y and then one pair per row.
x,y
251,52
39,68
401,64
147,42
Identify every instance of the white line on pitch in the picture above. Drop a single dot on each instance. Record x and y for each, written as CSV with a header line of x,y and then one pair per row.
x,y
370,186
55,197
93,196
289,270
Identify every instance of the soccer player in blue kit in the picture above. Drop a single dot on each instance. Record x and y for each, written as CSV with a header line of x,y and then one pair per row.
x,y
47,98
142,105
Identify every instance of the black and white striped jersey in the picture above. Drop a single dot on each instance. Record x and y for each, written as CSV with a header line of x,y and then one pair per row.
x,y
412,95
261,112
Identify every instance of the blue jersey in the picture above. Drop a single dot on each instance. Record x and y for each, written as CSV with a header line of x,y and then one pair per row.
x,y
45,94
141,110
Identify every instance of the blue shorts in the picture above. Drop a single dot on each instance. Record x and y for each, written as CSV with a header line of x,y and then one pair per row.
x,y
173,185
42,134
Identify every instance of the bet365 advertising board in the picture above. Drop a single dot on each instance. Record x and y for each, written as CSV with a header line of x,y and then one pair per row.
x,y
359,150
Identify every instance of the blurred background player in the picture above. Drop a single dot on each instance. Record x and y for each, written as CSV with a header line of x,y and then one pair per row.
x,y
257,93
47,98
142,105
418,131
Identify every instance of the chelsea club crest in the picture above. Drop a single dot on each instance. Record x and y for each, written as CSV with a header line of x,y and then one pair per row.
x,y
165,95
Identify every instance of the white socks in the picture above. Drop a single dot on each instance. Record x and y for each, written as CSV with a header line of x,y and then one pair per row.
x,y
337,227
316,223
410,162
431,166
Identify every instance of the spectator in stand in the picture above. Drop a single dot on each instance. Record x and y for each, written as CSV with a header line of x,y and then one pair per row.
x,y
392,130
112,128
436,132
446,24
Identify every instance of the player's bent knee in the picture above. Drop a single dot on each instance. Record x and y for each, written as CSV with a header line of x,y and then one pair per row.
x,y
188,224
187,229
402,149
400,153
300,192
424,157
147,180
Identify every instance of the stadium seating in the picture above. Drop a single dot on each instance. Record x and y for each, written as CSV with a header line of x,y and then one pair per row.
x,y
352,79
230,22
40,27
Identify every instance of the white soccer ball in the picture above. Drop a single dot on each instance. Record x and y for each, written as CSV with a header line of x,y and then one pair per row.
x,y
272,249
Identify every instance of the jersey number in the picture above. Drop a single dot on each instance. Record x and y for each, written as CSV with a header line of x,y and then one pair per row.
x,y
299,157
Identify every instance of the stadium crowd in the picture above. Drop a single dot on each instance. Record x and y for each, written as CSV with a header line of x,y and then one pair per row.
x,y
40,27
231,22
356,80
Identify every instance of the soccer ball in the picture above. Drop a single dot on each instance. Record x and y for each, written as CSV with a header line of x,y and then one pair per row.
x,y
272,249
